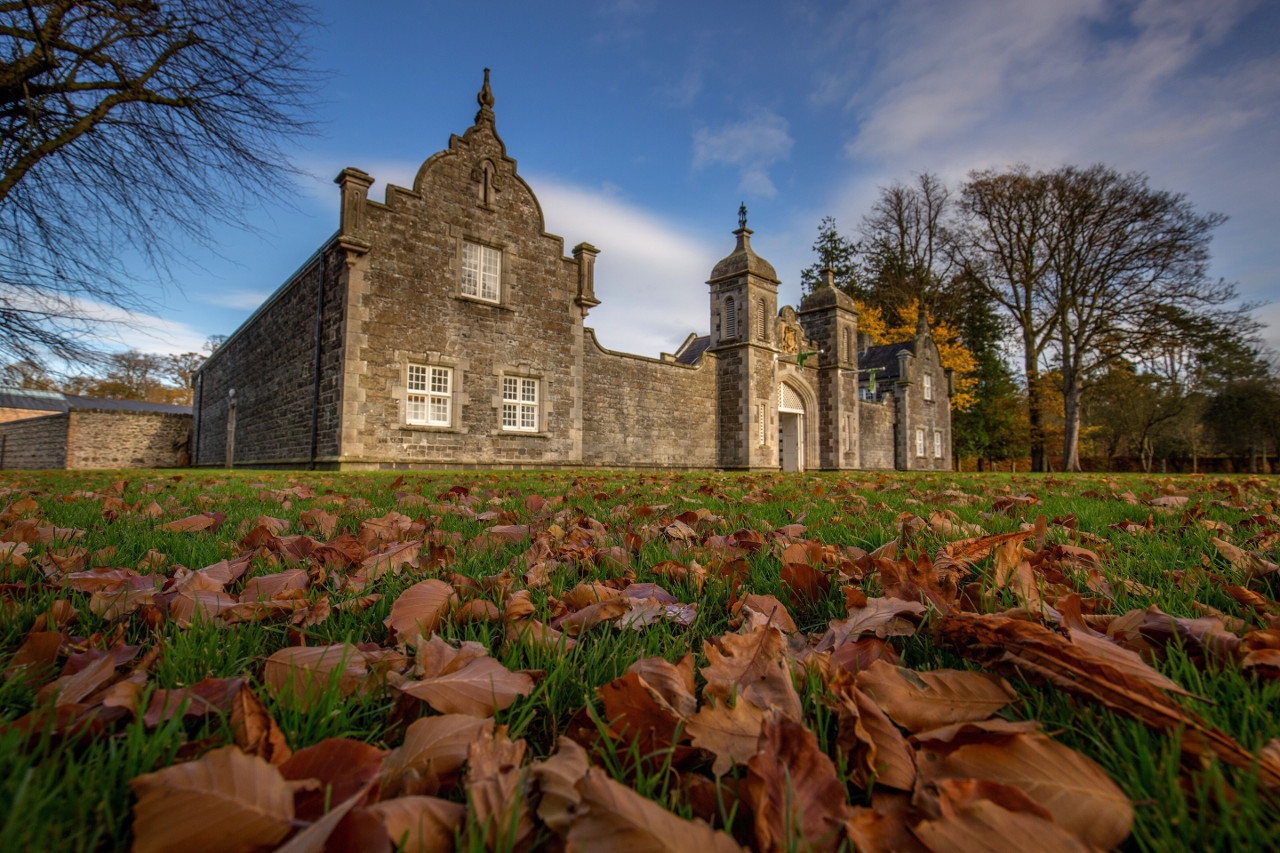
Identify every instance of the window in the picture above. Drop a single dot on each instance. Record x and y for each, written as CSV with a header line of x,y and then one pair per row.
x,y
919,441
848,345
481,271
430,399
760,421
730,319
928,386
937,443
760,315
520,403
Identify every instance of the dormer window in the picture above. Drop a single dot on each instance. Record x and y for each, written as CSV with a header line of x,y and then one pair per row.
x,y
481,272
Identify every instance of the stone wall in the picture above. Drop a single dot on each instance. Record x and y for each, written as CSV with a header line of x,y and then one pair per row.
x,y
918,413
34,443
645,412
116,439
270,362
875,428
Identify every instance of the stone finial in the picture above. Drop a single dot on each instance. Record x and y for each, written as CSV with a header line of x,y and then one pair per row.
x,y
922,321
828,276
485,99
742,215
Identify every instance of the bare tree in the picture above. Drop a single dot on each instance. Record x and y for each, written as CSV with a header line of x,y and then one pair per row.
x,y
1004,245
1126,265
905,241
126,128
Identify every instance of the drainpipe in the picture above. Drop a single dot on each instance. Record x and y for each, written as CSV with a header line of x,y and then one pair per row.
x,y
195,450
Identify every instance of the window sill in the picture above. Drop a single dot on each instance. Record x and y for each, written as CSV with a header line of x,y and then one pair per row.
x,y
430,428
476,300
518,433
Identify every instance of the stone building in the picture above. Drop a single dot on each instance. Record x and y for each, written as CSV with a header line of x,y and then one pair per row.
x,y
47,429
443,327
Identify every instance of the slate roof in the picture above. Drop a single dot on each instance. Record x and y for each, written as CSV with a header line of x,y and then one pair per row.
x,y
884,356
53,401
691,352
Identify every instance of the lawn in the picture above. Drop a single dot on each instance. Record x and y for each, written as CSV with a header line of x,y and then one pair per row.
x,y
238,660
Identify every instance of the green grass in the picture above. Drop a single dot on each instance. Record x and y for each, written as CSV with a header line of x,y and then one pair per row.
x,y
69,793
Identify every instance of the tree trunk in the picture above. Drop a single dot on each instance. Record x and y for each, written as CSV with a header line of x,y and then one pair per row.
x,y
1035,417
1071,398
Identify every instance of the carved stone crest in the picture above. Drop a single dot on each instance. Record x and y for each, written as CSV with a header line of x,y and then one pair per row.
x,y
790,339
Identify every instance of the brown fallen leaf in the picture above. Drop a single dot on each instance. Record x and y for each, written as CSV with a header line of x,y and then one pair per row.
x,y
74,686
211,695
224,801
674,681
1081,796
557,778
36,657
757,609
497,789
793,790
1039,654
971,823
731,731
255,731
303,674
420,824
480,688
879,617
875,747
434,750
341,766
419,609
926,700
618,818
639,714
754,665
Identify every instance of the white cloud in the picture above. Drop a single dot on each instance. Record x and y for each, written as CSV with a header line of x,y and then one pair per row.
x,y
650,273
110,326
752,145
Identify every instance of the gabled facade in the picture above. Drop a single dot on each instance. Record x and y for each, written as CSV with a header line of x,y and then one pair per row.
x,y
443,327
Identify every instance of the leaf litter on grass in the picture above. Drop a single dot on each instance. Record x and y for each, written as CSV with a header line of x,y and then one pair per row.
x,y
807,691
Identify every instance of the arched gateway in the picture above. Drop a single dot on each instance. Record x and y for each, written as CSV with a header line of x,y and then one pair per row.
x,y
791,427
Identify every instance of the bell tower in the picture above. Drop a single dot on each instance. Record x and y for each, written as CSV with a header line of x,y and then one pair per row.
x,y
744,308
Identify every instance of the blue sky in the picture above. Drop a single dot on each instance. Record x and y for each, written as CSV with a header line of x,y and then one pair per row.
x,y
642,125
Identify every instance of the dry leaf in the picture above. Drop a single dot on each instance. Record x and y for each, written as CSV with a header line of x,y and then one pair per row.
x,y
434,748
673,681
732,732
254,730
303,674
755,666
925,700
224,801
793,790
420,824
618,818
419,609
480,688
557,778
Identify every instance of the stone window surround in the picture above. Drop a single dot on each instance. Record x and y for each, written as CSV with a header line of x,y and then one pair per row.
x,y
520,371
927,379
432,384
457,398
920,441
460,236
937,444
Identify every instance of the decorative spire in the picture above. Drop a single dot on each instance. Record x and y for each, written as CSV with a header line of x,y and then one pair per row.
x,y
742,215
485,100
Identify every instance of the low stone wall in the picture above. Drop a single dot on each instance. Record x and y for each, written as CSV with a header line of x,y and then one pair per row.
x,y
640,412
34,443
98,438
875,439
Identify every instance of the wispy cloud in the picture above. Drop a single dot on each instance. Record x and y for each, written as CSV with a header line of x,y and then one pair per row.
x,y
109,326
236,300
751,145
650,274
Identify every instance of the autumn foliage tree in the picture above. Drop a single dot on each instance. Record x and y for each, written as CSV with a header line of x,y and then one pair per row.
x,y
951,349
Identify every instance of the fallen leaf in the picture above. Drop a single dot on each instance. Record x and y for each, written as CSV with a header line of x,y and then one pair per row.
x,y
303,674
731,731
434,750
754,665
419,609
793,790
480,688
618,818
420,824
925,700
224,801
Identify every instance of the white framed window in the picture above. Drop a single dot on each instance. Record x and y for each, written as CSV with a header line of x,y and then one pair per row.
x,y
430,395
481,271
730,319
928,386
520,403
919,441
937,444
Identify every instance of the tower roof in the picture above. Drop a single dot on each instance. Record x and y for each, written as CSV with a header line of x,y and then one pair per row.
x,y
826,295
743,259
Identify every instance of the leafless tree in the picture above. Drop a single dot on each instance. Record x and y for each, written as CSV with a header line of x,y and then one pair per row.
x,y
1128,262
905,241
128,127
1004,245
